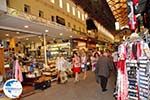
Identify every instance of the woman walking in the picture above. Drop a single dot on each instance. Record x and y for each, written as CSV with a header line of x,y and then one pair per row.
x,y
94,59
84,64
76,66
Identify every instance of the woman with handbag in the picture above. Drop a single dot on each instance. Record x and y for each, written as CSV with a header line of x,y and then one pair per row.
x,y
76,66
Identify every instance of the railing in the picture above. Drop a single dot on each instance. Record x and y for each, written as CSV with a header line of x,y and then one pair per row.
x,y
35,19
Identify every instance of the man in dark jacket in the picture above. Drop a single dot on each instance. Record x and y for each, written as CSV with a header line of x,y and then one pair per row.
x,y
103,68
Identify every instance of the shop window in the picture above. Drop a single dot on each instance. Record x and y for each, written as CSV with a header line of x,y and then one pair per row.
x,y
60,3
53,1
74,26
83,17
68,7
27,8
8,3
60,20
79,16
69,25
83,30
52,18
41,14
79,28
73,11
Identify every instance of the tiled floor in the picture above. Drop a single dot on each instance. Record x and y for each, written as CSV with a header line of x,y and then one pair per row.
x,y
84,90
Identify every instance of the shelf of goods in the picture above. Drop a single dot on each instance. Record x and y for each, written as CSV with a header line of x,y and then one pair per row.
x,y
2,70
56,49
53,69
34,74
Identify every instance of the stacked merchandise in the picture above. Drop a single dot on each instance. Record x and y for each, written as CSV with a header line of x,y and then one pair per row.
x,y
132,70
144,78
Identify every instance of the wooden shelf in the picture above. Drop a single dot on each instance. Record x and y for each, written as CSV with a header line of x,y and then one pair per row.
x,y
2,69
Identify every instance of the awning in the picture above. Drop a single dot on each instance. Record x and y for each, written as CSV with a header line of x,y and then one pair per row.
x,y
16,21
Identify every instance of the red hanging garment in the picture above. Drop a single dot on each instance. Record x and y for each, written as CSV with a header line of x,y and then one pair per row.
x,y
135,2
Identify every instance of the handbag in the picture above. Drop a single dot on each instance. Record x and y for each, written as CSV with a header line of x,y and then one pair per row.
x,y
82,65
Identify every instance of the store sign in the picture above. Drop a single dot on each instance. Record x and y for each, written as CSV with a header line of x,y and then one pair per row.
x,y
12,88
28,17
60,20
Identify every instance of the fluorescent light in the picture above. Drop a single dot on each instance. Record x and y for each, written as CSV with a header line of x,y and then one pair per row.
x,y
46,31
126,26
26,26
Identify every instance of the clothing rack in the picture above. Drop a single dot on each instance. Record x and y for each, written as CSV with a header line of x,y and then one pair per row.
x,y
137,68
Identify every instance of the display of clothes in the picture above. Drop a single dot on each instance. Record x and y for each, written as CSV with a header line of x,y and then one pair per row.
x,y
17,71
133,70
122,79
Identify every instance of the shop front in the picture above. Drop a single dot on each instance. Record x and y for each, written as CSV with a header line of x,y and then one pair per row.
x,y
32,40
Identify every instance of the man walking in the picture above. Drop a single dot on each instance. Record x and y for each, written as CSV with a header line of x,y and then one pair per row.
x,y
103,68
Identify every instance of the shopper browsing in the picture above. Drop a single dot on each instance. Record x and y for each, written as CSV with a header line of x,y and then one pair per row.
x,y
60,64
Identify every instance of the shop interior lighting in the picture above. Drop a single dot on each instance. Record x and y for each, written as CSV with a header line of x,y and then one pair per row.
x,y
39,36
7,40
17,32
27,38
26,26
81,37
70,36
61,34
7,34
124,37
46,31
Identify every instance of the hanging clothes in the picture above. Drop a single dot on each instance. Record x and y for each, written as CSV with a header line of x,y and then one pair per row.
x,y
135,2
122,79
131,16
18,73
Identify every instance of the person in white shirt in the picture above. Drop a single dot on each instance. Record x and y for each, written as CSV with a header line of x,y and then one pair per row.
x,y
60,65
84,63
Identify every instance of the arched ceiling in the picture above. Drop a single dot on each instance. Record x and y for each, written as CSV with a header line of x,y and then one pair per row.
x,y
99,10
119,9
107,12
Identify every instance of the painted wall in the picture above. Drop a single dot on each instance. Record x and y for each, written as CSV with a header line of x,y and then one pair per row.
x,y
52,9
